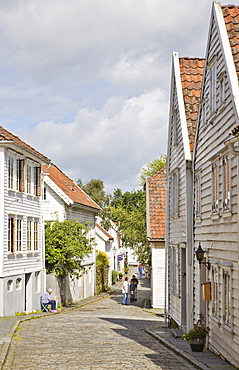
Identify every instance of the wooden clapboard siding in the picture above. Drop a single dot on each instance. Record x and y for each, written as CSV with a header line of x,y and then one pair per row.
x,y
218,234
185,94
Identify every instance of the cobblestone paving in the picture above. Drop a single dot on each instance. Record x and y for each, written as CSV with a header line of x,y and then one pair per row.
x,y
101,335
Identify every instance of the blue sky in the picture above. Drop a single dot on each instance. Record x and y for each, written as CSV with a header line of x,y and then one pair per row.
x,y
87,82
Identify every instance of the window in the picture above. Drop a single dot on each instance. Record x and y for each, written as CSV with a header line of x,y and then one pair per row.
x,y
36,180
198,194
215,294
11,234
107,246
37,282
175,269
29,178
226,298
20,174
226,183
10,173
36,235
29,235
19,235
221,81
213,87
215,188
18,284
10,286
174,194
32,235
44,193
174,129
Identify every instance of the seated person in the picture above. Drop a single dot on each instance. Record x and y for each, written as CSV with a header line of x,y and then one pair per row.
x,y
46,298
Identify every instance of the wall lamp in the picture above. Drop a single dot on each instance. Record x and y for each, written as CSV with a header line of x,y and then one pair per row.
x,y
200,255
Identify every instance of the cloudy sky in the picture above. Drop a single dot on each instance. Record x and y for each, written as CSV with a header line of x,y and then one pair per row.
x,y
87,82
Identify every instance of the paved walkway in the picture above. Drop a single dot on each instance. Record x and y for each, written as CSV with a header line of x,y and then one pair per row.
x,y
101,335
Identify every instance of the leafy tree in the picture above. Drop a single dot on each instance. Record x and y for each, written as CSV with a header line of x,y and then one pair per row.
x,y
95,189
151,168
66,244
129,211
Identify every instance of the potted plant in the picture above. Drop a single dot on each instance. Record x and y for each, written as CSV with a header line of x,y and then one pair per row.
x,y
197,335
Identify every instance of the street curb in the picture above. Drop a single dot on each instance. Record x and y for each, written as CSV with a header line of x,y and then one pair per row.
x,y
9,336
198,364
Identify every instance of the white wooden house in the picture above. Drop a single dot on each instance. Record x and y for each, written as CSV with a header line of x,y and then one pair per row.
x,y
186,81
216,167
22,273
155,216
107,241
63,199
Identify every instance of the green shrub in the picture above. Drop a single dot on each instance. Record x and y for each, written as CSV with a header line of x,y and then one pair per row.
x,y
114,276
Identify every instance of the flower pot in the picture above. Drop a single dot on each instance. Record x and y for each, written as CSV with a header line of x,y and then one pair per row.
x,y
197,344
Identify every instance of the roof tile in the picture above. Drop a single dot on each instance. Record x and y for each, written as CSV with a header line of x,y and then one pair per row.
x,y
69,187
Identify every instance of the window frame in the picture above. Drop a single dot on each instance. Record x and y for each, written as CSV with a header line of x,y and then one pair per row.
x,y
227,298
213,86
174,194
215,187
198,194
226,177
215,292
10,172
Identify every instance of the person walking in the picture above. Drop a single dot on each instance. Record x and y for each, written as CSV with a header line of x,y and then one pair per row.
x,y
135,281
140,269
125,291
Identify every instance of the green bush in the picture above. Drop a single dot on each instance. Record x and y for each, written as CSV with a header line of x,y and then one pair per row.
x,y
114,276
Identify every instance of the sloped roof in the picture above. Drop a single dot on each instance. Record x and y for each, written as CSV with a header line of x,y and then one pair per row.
x,y
104,232
69,187
157,205
231,18
191,71
8,136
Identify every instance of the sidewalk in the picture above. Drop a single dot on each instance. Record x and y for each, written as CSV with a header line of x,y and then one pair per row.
x,y
201,360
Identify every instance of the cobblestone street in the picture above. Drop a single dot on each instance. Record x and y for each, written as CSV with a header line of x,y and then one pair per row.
x,y
100,335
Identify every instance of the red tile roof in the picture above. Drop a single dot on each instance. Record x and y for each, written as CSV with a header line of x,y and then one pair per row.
x,y
191,70
69,187
104,231
157,204
8,136
231,18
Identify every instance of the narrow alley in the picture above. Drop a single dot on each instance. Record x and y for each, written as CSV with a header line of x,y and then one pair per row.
x,y
101,335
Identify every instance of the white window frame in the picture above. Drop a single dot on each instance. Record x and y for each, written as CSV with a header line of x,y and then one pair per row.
x,y
215,187
20,166
19,225
175,269
213,86
215,292
226,161
11,234
227,298
10,172
36,235
198,194
174,194
33,235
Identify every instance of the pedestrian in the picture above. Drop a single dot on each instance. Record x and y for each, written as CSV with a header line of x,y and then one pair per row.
x,y
135,281
125,291
47,298
131,289
140,269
